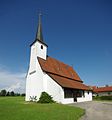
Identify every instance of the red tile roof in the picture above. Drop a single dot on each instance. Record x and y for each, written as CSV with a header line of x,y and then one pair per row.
x,y
68,83
54,66
63,74
103,89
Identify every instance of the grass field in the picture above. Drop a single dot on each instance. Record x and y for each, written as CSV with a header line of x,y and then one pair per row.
x,y
15,108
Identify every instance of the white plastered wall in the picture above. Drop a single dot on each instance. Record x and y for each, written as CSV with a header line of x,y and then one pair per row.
x,y
87,97
34,83
34,79
53,89
42,53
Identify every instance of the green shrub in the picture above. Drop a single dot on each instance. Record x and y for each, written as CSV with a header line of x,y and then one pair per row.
x,y
103,98
45,98
106,97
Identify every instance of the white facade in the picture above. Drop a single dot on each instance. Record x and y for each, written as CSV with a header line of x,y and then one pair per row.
x,y
34,79
38,81
87,97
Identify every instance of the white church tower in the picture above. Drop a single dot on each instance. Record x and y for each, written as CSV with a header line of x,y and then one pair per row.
x,y
34,78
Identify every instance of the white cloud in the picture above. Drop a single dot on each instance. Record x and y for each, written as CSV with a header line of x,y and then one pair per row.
x,y
12,81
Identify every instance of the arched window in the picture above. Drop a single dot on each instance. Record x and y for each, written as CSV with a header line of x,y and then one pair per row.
x,y
41,46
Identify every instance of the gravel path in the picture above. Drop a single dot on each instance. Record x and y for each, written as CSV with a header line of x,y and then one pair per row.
x,y
96,110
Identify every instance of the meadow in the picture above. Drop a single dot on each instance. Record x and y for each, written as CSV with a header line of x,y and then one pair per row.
x,y
15,108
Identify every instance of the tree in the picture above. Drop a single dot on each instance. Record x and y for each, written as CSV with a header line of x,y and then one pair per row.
x,y
8,93
12,93
23,94
3,92
17,94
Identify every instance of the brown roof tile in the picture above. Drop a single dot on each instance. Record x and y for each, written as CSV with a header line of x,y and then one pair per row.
x,y
68,83
63,74
54,66
103,89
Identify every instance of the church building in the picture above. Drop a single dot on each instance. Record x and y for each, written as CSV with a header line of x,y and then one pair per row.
x,y
47,74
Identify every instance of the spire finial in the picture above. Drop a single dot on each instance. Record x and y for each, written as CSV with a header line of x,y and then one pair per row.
x,y
39,35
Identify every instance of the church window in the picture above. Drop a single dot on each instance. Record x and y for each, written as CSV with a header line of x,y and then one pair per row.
x,y
68,93
79,93
41,46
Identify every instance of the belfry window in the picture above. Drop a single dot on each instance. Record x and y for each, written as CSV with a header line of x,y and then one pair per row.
x,y
41,46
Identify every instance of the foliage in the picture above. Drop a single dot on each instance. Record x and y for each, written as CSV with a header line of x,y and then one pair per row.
x,y
103,98
12,93
3,92
15,108
23,94
17,94
45,98
8,93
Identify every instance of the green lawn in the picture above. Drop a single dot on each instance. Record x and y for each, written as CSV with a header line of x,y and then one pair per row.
x,y
15,108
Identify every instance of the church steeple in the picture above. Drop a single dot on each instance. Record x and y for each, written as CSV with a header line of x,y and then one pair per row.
x,y
39,35
39,47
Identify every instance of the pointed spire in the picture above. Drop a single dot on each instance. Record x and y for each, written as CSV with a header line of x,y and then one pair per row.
x,y
39,35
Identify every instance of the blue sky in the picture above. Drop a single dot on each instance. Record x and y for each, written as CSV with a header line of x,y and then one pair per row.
x,y
78,32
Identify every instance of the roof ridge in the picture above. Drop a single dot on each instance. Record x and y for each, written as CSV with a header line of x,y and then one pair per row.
x,y
103,87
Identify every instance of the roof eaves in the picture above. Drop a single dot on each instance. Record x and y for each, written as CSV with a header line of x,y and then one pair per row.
x,y
64,86
39,41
